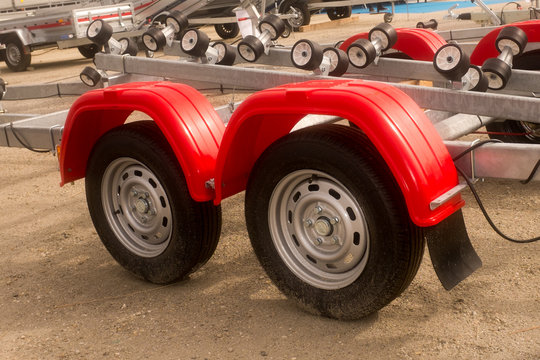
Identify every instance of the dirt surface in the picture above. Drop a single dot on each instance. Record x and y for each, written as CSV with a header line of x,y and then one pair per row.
x,y
62,296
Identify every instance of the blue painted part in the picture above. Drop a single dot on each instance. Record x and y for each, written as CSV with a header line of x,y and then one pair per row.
x,y
425,7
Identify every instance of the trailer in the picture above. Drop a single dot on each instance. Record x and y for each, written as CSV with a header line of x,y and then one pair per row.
x,y
338,212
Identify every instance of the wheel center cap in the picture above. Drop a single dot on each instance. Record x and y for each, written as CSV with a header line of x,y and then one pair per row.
x,y
323,227
142,206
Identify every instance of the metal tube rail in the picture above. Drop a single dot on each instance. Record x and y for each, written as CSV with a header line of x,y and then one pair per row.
x,y
388,69
485,104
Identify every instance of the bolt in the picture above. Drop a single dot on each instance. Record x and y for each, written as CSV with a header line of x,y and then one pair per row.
x,y
318,241
318,209
334,220
308,223
146,195
336,239
152,212
134,192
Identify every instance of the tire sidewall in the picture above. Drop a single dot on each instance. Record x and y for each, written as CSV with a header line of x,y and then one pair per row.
x,y
182,254
385,242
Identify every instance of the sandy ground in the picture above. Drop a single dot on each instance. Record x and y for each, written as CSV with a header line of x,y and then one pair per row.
x,y
62,296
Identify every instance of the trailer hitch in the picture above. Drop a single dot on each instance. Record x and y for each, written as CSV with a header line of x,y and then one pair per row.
x,y
452,254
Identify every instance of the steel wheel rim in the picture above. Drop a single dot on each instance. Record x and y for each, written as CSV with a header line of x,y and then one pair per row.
x,y
14,54
318,229
136,207
299,20
531,129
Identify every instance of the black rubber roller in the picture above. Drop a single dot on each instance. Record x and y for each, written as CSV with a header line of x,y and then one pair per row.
x,y
385,33
306,55
177,20
194,42
513,37
477,79
273,24
99,32
498,73
431,24
251,48
339,63
226,53
451,62
361,53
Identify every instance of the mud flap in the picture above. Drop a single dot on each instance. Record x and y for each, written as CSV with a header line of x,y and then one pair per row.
x,y
451,251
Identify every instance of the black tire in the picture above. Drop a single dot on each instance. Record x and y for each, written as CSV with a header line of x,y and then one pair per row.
x,y
299,6
451,62
273,24
336,13
194,42
89,50
129,46
17,56
513,37
306,55
90,76
512,131
339,62
385,33
251,48
227,31
388,17
498,73
325,170
361,53
133,163
226,53
99,32
153,39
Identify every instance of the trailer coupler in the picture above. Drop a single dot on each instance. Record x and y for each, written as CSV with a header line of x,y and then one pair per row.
x,y
452,254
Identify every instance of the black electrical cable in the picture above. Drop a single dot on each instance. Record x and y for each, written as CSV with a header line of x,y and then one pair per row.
x,y
14,132
475,146
477,197
518,6
484,211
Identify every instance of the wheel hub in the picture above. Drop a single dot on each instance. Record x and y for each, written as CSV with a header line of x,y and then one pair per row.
x,y
137,207
323,227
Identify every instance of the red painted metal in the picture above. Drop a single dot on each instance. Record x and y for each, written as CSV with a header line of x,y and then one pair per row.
x,y
418,44
186,118
486,48
398,128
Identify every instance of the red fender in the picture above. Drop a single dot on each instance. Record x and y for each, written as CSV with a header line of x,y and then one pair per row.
x,y
186,118
418,44
398,128
486,49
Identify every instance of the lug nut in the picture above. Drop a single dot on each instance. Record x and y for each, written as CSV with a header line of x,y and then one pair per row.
x,y
318,241
334,220
318,209
308,223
